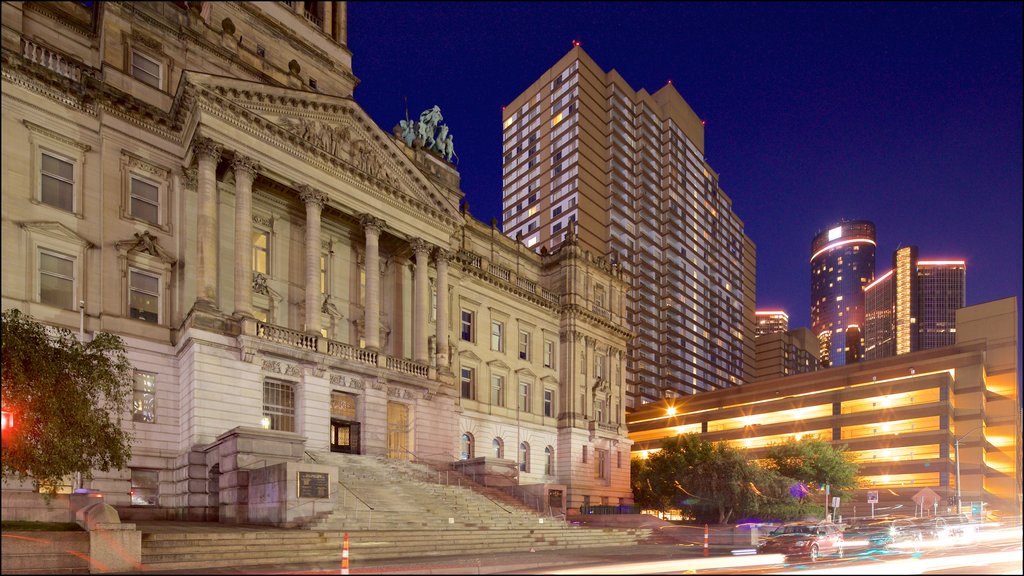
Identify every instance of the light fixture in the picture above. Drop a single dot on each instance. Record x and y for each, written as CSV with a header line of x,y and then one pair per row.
x,y
265,422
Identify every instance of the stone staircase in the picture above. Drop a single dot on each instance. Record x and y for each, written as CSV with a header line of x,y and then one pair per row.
x,y
390,510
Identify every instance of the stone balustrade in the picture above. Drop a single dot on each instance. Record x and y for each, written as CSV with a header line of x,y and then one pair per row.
x,y
50,59
407,366
286,336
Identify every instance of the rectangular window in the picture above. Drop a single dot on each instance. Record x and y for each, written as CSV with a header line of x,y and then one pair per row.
x,y
57,280
433,303
144,398
524,396
600,461
279,405
261,251
549,354
57,182
599,365
549,403
584,454
467,383
467,326
145,487
145,200
146,69
497,336
143,296
497,390
524,345
323,274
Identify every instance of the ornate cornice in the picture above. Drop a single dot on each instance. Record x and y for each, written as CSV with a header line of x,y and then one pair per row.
x,y
33,127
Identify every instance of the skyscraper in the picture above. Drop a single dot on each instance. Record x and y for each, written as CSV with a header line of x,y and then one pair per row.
x,y
842,264
770,322
913,306
625,170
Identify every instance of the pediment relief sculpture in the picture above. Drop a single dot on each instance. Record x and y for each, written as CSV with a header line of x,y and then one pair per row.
x,y
145,243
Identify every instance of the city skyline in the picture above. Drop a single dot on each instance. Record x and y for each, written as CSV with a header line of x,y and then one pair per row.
x,y
814,113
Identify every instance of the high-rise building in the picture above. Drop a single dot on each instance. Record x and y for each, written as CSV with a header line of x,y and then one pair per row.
x,y
913,306
626,170
783,353
770,322
842,264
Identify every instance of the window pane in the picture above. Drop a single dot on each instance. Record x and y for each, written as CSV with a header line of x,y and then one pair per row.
x,y
57,193
145,211
146,69
58,168
144,297
145,190
144,399
145,487
279,405
56,280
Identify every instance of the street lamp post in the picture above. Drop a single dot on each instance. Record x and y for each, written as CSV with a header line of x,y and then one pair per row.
x,y
956,452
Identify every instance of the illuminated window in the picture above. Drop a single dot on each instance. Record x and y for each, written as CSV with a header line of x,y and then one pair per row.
x,y
261,251
556,119
323,274
144,397
466,451
57,280
498,448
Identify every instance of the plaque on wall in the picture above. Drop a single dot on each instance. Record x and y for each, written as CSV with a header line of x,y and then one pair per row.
x,y
314,484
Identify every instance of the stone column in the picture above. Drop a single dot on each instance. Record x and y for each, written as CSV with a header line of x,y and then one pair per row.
x,y
421,301
372,227
326,24
339,19
314,201
208,154
245,172
443,256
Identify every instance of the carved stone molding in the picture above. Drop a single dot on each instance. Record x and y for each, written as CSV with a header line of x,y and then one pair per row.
x,y
190,177
310,196
63,138
420,246
442,254
272,366
263,220
245,164
371,223
292,370
203,146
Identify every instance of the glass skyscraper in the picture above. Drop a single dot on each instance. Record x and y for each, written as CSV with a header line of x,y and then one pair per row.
x,y
842,264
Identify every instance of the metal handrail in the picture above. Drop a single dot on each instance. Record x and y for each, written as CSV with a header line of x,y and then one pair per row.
x,y
450,460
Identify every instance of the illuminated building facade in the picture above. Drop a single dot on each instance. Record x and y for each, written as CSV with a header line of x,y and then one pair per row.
x,y
626,171
770,322
783,353
913,306
899,416
842,264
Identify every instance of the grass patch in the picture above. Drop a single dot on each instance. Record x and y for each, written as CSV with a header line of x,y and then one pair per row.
x,y
29,526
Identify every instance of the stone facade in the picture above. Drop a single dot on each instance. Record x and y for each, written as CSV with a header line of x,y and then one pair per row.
x,y
201,181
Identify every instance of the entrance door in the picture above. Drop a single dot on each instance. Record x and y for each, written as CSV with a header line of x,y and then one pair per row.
x,y
344,436
398,431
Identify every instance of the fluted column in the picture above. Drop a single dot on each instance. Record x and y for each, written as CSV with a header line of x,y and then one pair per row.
x,y
245,172
208,154
421,301
314,201
372,227
443,256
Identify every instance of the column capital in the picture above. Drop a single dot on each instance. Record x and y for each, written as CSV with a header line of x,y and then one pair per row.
x,y
442,254
309,195
420,247
190,178
371,223
242,163
206,147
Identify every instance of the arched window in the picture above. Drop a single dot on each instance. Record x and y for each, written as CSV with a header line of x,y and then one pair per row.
x,y
524,457
467,446
498,448
549,460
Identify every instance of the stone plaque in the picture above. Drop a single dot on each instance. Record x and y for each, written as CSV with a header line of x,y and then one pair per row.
x,y
314,484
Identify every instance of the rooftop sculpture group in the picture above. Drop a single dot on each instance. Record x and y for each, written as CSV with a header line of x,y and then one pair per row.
x,y
427,134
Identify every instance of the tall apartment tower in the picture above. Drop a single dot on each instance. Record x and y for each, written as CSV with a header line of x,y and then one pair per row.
x,y
625,171
842,264
913,306
770,322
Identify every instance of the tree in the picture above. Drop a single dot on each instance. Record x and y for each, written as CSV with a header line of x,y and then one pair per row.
x,y
814,462
68,397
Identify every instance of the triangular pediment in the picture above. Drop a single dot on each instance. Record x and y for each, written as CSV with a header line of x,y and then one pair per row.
x,y
336,128
55,230
146,244
469,355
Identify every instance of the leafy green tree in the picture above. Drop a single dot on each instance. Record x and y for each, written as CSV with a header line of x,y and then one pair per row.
x,y
814,462
68,398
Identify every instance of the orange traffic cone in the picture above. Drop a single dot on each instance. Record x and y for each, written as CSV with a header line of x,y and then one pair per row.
x,y
344,555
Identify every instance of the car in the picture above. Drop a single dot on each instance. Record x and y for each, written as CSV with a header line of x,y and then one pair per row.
x,y
884,533
950,529
804,540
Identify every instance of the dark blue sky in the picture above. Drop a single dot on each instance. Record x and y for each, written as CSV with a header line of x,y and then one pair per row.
x,y
905,114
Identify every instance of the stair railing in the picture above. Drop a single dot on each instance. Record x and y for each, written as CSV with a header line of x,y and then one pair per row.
x,y
433,464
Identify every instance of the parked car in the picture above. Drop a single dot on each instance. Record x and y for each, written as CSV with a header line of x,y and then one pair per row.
x,y
804,539
884,532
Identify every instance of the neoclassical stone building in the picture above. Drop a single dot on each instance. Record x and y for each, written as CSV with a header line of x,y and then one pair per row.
x,y
197,178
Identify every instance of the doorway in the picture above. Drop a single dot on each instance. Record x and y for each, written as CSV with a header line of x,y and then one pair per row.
x,y
398,431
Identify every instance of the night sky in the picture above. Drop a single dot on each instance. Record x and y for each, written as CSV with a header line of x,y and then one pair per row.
x,y
904,114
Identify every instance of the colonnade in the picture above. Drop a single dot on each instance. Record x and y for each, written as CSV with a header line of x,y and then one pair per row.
x,y
208,154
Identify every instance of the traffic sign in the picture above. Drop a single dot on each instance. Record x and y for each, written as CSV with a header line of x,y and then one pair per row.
x,y
872,496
